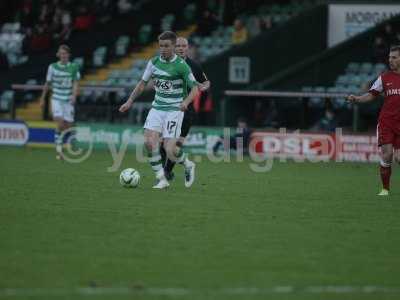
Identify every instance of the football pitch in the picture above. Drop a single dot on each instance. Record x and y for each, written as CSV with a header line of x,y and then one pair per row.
x,y
300,231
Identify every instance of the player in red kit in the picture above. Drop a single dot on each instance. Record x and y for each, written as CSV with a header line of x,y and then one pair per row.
x,y
388,129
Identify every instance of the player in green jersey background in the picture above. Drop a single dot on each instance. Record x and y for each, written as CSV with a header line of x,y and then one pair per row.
x,y
62,77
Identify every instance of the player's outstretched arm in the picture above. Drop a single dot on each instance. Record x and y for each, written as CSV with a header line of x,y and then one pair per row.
x,y
204,86
46,88
361,99
134,95
75,92
189,99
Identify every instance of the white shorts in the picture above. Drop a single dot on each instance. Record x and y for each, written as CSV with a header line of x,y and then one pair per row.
x,y
63,110
168,123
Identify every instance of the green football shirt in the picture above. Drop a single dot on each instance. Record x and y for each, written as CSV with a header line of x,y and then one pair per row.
x,y
171,81
62,77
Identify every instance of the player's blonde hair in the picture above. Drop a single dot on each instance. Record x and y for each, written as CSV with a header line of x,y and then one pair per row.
x,y
65,48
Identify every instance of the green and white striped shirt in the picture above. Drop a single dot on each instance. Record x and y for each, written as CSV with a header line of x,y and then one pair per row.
x,y
171,81
62,77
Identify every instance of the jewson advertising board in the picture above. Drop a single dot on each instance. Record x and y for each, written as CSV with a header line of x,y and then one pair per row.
x,y
200,139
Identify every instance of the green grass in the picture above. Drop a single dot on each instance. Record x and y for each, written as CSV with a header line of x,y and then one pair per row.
x,y
65,226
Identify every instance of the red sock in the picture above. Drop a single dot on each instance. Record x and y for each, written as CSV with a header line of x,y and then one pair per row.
x,y
385,176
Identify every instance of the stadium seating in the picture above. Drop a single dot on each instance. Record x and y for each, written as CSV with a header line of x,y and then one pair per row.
x,y
6,99
355,79
351,81
219,41
221,38
11,41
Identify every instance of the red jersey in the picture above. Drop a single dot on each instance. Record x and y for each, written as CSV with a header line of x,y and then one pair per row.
x,y
389,84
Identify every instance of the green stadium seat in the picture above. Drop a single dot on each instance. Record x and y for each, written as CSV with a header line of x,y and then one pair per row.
x,y
342,79
317,102
379,68
208,41
121,46
306,89
6,100
353,89
366,68
338,102
264,10
228,31
353,68
277,18
189,12
220,41
320,89
276,9
167,22
355,79
145,34
332,89
79,61
101,50
99,56
197,40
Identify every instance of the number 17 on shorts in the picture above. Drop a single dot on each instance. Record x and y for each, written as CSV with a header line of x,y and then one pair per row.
x,y
168,123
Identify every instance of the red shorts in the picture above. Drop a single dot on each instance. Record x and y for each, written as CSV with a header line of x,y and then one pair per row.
x,y
388,133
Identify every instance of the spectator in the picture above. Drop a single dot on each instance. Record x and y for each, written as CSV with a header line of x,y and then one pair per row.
x,y
254,26
389,35
379,50
45,13
124,6
193,52
26,17
397,38
265,23
259,113
66,26
55,26
239,35
3,61
207,24
41,38
238,141
326,123
84,19
104,9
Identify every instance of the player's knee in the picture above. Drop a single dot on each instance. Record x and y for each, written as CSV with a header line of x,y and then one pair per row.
x,y
170,150
150,144
387,157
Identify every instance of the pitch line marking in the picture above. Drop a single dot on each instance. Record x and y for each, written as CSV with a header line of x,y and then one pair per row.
x,y
176,291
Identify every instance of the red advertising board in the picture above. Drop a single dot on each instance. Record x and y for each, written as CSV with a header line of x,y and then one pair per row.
x,y
316,146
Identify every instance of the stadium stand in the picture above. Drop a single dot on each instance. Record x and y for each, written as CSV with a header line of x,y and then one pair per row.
x,y
104,46
209,39
11,43
219,33
352,65
215,38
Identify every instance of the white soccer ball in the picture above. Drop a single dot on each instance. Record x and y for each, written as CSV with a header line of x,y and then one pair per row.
x,y
129,178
